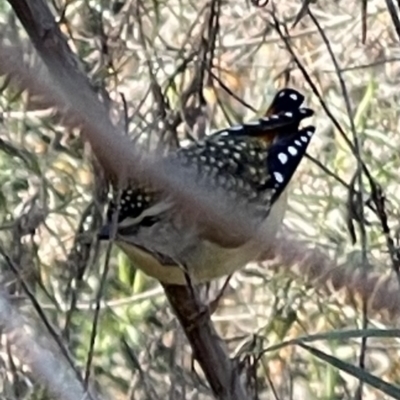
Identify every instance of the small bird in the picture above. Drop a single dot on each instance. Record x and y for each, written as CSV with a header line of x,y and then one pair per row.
x,y
253,162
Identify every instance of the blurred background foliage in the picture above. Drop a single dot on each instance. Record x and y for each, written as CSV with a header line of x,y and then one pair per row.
x,y
173,70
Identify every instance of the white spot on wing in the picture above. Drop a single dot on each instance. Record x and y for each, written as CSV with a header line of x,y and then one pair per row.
x,y
297,142
288,114
237,155
293,96
252,170
292,150
304,139
278,176
283,158
236,128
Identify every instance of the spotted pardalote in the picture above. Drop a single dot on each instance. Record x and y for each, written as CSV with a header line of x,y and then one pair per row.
x,y
253,161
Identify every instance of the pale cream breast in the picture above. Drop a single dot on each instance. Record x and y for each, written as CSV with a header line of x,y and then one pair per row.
x,y
207,261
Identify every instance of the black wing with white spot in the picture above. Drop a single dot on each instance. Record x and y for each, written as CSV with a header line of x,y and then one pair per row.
x,y
284,157
285,122
282,117
285,100
254,160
